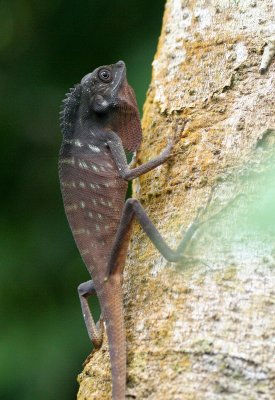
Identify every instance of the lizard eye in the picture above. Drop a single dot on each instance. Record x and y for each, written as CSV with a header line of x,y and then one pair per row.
x,y
104,75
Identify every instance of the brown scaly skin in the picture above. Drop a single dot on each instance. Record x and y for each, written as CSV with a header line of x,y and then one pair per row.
x,y
99,120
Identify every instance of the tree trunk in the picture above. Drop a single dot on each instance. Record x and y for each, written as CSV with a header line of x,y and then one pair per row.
x,y
203,329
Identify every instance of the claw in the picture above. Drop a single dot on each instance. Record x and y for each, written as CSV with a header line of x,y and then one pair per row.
x,y
175,138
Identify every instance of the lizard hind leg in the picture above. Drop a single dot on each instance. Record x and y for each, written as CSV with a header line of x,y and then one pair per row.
x,y
95,330
133,209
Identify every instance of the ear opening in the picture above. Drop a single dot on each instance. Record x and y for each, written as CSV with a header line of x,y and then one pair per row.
x,y
99,104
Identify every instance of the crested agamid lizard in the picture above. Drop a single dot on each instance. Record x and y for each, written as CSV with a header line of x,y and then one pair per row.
x,y
99,120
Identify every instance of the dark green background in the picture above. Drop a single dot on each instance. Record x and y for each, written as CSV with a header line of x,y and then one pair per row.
x,y
46,47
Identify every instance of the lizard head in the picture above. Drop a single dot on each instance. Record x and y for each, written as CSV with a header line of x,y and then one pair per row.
x,y
105,98
110,98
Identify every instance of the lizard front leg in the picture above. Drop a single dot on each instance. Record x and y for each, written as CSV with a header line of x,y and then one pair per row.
x,y
95,330
114,143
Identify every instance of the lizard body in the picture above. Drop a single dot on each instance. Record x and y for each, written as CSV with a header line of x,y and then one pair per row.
x,y
99,120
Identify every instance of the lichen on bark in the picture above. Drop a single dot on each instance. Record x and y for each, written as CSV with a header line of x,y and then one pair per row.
x,y
203,329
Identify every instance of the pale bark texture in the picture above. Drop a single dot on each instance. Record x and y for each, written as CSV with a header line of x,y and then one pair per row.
x,y
204,328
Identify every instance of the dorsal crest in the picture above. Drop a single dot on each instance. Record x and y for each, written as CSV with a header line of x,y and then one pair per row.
x,y
69,108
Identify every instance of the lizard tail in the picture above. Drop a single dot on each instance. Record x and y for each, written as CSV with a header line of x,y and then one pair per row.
x,y
112,309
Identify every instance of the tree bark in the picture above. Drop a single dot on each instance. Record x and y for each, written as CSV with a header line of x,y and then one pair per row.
x,y
203,329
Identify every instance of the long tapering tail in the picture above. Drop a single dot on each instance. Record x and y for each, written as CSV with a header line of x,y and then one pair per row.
x,y
112,310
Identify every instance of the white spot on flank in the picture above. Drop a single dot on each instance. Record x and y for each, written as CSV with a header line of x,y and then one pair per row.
x,y
84,252
94,148
92,185
90,214
97,227
94,201
79,231
73,142
110,204
94,167
102,168
99,216
83,165
78,143
92,133
102,201
82,204
106,184
67,141
106,227
68,184
71,207
69,161
82,184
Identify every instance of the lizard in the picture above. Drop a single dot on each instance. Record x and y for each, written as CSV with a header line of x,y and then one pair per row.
x,y
99,121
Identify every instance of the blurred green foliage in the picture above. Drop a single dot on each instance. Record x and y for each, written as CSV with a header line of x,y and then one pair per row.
x,y
46,47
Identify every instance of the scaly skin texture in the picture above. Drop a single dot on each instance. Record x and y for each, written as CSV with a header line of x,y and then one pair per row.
x,y
99,120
